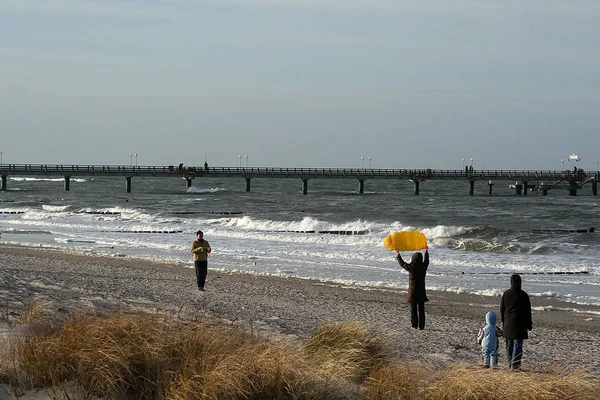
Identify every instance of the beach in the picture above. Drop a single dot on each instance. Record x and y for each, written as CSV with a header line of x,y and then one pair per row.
x,y
290,308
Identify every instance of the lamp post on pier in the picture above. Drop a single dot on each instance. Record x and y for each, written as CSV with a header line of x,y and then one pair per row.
x,y
562,164
136,154
370,162
246,160
362,162
597,162
130,159
463,163
240,160
471,162
1,157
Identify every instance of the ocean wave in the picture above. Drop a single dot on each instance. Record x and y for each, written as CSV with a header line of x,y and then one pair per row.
x,y
52,208
305,225
30,179
194,189
569,309
444,231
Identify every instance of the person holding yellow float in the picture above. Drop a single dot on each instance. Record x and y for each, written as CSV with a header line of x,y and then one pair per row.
x,y
417,270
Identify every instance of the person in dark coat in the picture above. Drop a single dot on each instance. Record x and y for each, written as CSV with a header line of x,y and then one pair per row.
x,y
515,312
417,269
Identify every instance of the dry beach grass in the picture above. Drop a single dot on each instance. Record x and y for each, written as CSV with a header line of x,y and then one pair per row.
x,y
295,338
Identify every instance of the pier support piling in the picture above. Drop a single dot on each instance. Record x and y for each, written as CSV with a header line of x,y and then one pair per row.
x,y
525,188
248,184
304,186
67,183
416,187
3,185
594,188
361,186
490,184
471,188
128,184
188,183
573,191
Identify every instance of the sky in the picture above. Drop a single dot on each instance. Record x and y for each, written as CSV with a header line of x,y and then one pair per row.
x,y
301,83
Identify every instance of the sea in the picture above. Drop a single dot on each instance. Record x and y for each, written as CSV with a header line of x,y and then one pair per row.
x,y
331,234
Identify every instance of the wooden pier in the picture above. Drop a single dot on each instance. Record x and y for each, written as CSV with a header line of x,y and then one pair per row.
x,y
520,180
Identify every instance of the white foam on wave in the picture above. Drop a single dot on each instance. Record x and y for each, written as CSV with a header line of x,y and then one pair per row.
x,y
252,224
489,292
444,231
568,309
301,238
134,214
314,224
544,294
35,215
29,179
51,208
195,189
310,224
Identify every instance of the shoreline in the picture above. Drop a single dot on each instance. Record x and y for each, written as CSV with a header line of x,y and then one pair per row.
x,y
556,302
292,307
568,295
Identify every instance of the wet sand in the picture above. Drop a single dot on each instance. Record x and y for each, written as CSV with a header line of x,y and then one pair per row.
x,y
290,308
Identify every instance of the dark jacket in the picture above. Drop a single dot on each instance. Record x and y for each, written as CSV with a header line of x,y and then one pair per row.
x,y
417,269
515,311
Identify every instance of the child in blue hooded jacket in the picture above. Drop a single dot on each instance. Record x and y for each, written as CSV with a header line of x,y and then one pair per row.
x,y
488,338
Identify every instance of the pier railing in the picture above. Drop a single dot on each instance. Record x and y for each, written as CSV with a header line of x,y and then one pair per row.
x,y
266,172
544,180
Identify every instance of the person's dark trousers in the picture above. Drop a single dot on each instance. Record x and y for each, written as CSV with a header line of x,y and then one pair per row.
x,y
417,314
514,353
201,270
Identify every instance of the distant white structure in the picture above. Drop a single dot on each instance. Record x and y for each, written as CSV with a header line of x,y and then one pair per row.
x,y
574,157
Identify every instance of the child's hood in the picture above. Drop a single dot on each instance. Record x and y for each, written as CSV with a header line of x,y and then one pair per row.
x,y
490,318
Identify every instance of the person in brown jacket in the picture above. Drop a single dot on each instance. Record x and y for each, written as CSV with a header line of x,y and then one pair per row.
x,y
201,248
417,269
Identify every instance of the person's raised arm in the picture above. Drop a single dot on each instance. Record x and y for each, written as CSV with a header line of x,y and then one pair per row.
x,y
401,261
426,258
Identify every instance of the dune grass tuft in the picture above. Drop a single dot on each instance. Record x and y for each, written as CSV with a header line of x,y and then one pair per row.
x,y
396,381
149,357
346,350
34,312
467,382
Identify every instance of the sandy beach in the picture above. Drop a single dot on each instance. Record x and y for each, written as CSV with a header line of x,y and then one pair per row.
x,y
290,307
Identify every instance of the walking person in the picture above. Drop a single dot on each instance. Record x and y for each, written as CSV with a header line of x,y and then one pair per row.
x,y
201,248
417,269
515,312
489,339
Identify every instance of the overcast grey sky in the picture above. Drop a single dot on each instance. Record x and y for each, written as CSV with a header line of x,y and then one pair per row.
x,y
301,83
